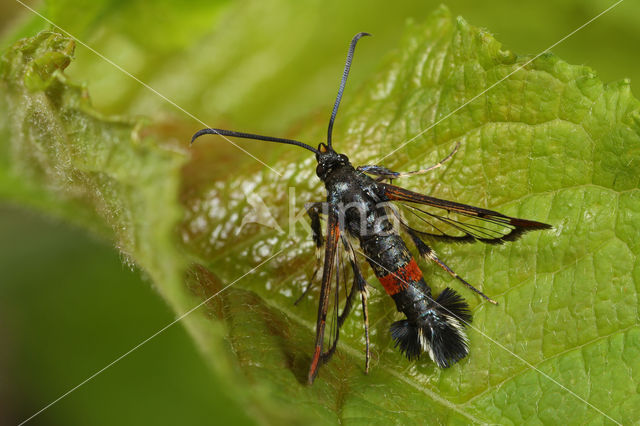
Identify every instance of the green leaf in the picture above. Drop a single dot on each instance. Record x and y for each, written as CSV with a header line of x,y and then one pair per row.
x,y
550,143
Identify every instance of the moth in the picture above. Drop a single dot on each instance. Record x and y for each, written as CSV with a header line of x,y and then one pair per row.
x,y
362,219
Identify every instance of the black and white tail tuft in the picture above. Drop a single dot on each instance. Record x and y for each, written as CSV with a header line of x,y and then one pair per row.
x,y
439,331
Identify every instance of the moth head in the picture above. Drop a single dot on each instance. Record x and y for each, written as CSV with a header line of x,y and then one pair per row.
x,y
329,160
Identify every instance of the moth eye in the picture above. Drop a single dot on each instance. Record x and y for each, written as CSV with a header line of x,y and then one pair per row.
x,y
343,157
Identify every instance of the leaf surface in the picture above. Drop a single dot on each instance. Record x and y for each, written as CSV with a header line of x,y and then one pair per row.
x,y
550,143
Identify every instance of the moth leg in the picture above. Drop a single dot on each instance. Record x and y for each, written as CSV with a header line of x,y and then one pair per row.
x,y
330,250
365,313
314,210
383,173
428,254
359,284
380,171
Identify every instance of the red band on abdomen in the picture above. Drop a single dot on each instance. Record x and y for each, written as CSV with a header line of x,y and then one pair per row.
x,y
399,280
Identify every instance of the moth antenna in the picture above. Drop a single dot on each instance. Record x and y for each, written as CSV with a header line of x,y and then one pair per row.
x,y
222,132
343,82
439,331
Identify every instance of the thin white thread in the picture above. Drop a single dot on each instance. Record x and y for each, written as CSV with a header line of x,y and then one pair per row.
x,y
97,373
500,81
506,349
145,85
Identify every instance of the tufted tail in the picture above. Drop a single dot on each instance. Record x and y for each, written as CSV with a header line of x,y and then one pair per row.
x,y
439,331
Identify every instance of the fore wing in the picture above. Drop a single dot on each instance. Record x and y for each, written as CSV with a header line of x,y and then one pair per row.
x,y
330,252
450,221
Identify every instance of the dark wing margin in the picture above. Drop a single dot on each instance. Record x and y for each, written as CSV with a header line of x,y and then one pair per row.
x,y
330,251
461,223
330,297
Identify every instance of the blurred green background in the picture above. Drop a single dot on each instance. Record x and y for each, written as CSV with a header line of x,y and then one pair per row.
x,y
53,273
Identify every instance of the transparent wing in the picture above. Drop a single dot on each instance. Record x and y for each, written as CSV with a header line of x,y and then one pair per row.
x,y
337,292
455,222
